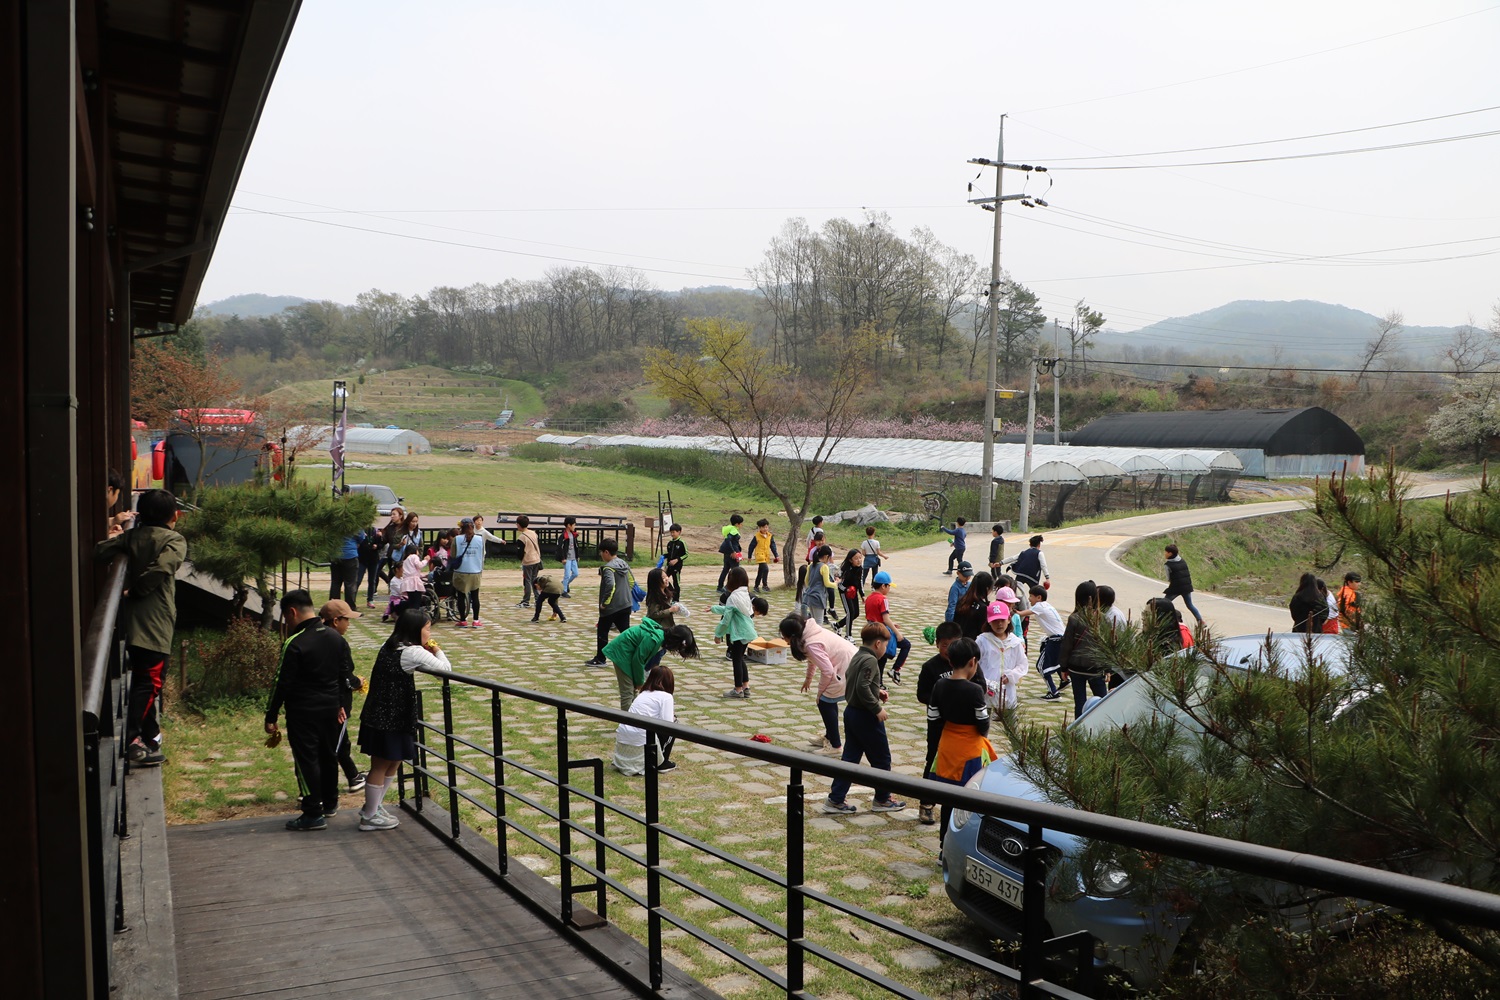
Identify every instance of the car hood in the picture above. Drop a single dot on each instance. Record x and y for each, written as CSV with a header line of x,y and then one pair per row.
x,y
1001,778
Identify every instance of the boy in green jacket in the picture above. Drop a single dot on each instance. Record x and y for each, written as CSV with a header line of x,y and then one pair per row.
x,y
864,722
148,610
639,648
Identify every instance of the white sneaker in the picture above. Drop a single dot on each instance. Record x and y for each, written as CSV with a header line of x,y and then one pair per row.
x,y
380,821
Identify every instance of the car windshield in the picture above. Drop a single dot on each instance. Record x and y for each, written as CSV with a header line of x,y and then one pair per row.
x,y
382,494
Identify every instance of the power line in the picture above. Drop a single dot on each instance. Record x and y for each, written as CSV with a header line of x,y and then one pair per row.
x,y
1267,65
1264,142
1282,368
1291,156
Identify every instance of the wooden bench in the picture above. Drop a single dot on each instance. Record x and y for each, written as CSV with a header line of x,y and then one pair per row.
x,y
592,529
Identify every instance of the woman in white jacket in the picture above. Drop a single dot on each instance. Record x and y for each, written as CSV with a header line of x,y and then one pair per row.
x,y
827,654
1002,657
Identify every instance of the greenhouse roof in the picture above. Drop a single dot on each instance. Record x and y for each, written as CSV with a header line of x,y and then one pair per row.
x,y
1050,463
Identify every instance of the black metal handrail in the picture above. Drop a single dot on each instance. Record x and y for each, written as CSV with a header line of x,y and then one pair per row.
x,y
1415,895
105,700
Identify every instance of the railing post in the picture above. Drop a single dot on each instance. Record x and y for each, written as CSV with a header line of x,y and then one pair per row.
x,y
796,901
601,856
1033,912
653,863
564,834
501,832
453,824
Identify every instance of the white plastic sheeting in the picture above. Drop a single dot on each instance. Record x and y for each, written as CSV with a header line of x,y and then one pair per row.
x,y
365,440
1049,463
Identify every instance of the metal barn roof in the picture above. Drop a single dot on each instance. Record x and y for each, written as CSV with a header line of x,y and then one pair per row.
x,y
1308,430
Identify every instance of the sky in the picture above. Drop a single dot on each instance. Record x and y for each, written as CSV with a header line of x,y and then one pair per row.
x,y
408,146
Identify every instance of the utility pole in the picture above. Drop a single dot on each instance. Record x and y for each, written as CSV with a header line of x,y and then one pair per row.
x,y
1030,443
1056,368
987,473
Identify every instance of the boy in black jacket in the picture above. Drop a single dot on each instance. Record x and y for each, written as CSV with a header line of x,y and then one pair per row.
x,y
932,671
676,555
309,683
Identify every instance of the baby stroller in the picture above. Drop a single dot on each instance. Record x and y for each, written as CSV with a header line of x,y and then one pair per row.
x,y
442,595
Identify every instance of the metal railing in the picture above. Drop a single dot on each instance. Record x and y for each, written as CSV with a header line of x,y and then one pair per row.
x,y
438,763
105,701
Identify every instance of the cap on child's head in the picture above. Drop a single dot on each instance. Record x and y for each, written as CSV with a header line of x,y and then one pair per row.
x,y
882,578
966,568
997,610
1007,595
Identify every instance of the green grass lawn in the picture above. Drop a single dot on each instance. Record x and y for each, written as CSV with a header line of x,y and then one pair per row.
x,y
436,393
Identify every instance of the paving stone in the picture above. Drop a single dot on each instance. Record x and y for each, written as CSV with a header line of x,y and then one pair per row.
x,y
917,958
738,983
857,882
911,870
235,763
868,819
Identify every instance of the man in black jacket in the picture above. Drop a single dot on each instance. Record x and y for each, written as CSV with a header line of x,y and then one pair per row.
x,y
309,683
1180,581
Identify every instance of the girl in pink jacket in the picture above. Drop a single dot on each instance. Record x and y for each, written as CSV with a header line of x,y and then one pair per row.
x,y
827,654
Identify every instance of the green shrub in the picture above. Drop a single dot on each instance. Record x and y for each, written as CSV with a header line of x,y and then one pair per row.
x,y
242,662
537,451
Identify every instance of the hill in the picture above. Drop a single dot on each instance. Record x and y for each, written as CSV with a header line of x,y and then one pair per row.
x,y
1303,330
426,399
251,304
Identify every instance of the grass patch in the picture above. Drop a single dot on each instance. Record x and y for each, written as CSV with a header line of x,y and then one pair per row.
x,y
436,394
1257,559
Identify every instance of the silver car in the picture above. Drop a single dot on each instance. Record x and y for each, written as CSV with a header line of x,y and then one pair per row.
x,y
385,497
982,855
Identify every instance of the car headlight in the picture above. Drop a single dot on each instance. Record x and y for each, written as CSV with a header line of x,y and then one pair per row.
x,y
960,817
1107,879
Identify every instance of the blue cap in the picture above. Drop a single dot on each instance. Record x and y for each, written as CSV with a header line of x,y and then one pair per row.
x,y
882,578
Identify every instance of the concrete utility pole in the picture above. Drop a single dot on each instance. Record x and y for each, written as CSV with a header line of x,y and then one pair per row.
x,y
1031,391
1056,368
987,473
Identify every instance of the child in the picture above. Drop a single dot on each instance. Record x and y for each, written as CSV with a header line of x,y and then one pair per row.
x,y
736,623
654,702
997,549
675,556
956,591
410,576
877,611
639,648
388,720
729,548
828,656
962,711
960,542
567,553
148,613
870,549
864,722
548,589
337,615
853,591
932,671
531,559
661,604
1002,657
763,551
1051,622
819,579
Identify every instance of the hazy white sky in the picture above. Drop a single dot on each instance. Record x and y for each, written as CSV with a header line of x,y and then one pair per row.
x,y
678,137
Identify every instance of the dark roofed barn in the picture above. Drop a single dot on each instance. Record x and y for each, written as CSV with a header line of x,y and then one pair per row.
x,y
1280,443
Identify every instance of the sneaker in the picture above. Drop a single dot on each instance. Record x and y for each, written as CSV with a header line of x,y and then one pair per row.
x,y
476,623
895,677
924,815
535,620
734,693
819,743
306,823
666,765
566,595
561,619
832,750
357,783
1052,697
745,691
838,808
461,623
331,811
888,806
380,821
524,604
597,661
136,752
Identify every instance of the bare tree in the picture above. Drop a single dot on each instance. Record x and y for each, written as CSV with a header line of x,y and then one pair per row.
x,y
1384,345
1472,350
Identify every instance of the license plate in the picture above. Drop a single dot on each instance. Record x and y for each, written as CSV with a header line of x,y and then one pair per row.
x,y
1002,887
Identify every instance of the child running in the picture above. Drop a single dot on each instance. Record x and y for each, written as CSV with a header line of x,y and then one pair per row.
x,y
864,723
878,611
852,590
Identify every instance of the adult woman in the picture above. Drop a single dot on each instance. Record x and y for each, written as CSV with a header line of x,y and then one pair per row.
x,y
411,531
388,721
654,702
971,613
1079,653
639,648
1309,608
827,655
958,700
390,543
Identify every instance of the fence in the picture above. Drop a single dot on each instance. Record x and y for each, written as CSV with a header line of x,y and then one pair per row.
x,y
585,847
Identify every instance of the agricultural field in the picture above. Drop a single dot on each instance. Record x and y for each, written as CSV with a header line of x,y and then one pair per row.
x,y
419,398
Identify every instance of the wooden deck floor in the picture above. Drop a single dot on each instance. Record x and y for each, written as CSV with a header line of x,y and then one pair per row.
x,y
259,910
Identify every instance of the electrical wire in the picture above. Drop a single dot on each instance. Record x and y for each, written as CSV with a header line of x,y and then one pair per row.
x,y
1412,144
1267,65
1049,160
1284,368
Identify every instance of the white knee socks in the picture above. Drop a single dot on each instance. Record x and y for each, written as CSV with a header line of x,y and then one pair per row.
x,y
373,795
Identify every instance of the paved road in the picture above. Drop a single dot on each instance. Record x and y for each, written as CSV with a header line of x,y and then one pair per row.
x,y
1091,552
